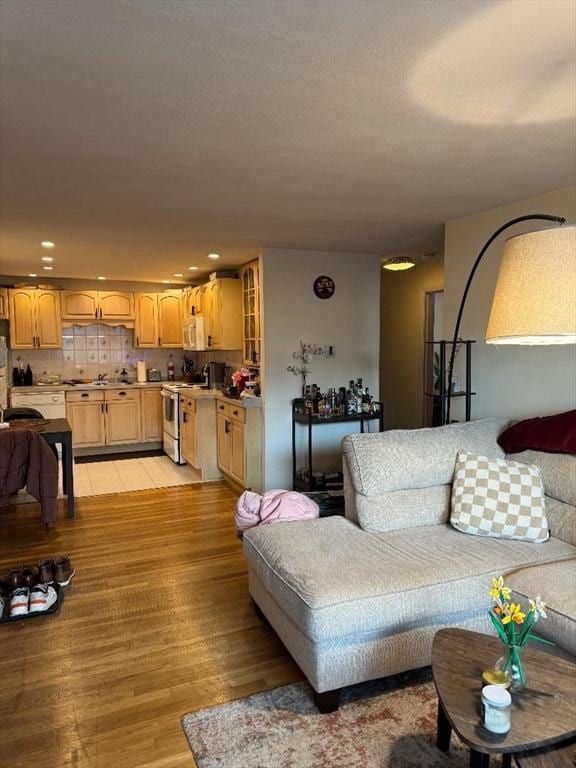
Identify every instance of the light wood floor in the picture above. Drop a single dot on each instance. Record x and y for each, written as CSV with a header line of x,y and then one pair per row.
x,y
157,623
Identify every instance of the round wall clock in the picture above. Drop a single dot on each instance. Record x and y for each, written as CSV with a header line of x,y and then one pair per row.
x,y
324,287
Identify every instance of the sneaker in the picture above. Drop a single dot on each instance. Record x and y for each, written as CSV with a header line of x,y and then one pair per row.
x,y
46,572
42,597
63,571
19,601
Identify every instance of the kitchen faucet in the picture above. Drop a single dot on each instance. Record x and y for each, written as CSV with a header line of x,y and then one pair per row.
x,y
102,376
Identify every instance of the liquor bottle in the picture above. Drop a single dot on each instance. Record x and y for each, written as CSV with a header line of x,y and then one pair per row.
x,y
22,375
15,377
28,378
308,399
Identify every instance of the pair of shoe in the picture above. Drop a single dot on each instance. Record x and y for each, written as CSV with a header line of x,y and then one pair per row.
x,y
24,600
58,569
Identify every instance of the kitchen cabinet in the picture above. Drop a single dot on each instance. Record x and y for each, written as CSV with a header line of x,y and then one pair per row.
x,y
151,406
192,302
222,309
85,413
102,418
97,305
251,333
122,416
170,319
35,321
198,442
158,319
239,433
3,303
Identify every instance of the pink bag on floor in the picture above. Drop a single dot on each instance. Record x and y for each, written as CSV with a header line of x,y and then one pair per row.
x,y
274,506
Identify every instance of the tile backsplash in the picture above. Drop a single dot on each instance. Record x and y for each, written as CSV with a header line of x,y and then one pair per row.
x,y
91,350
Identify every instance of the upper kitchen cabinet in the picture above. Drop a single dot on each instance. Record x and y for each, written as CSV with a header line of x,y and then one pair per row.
x,y
170,319
146,326
192,302
3,303
97,305
35,321
222,309
116,305
159,319
251,335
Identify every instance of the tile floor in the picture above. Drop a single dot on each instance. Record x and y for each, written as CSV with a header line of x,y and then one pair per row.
x,y
100,477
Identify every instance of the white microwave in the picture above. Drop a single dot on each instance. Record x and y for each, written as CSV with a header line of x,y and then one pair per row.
x,y
193,334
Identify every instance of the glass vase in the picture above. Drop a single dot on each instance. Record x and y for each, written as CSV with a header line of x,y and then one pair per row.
x,y
513,665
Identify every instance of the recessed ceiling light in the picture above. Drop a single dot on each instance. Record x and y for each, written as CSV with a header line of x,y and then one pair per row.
x,y
193,268
47,244
47,259
178,274
32,274
100,277
48,268
214,256
165,281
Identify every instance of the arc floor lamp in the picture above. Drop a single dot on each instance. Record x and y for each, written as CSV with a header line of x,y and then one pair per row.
x,y
535,297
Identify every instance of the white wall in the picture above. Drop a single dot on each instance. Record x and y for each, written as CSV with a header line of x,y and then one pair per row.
x,y
291,312
510,381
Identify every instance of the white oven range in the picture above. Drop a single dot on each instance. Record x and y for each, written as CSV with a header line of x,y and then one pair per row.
x,y
171,418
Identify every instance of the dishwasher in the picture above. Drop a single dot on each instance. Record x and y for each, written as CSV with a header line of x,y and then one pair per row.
x,y
52,405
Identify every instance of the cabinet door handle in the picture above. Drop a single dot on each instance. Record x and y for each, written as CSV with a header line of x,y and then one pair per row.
x,y
38,337
106,407
122,394
184,417
96,313
137,341
100,313
85,394
234,413
227,427
159,341
221,407
102,407
33,341
209,340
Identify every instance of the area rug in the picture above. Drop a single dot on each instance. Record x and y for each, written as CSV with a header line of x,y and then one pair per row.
x,y
388,723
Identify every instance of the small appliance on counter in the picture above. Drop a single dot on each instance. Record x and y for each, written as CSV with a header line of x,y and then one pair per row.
x,y
154,374
215,375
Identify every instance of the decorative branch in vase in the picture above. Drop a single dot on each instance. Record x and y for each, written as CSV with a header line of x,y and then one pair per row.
x,y
303,354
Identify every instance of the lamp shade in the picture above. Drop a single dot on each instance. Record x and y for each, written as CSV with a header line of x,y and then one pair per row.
x,y
535,297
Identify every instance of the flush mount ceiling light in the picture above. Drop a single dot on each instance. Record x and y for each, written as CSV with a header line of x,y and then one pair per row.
x,y
47,244
193,268
214,256
398,263
178,274
100,277
47,259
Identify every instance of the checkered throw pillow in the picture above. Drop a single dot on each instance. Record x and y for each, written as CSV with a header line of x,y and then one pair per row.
x,y
499,498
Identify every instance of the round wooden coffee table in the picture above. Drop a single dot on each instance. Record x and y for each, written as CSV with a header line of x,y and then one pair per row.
x,y
543,714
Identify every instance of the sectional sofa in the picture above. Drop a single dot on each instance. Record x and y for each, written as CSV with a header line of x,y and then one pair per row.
x,y
360,598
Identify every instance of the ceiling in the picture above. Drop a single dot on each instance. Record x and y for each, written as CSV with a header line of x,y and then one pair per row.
x,y
140,136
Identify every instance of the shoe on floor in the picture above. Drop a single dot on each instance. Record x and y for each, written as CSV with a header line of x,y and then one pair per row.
x,y
46,572
19,601
63,571
42,597
14,579
29,576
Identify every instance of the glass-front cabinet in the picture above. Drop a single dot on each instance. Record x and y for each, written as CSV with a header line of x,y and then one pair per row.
x,y
250,276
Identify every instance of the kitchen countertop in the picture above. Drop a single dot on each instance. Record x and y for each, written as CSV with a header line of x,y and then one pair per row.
x,y
243,402
38,388
195,392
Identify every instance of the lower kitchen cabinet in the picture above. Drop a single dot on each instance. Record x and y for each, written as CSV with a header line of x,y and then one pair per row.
x,y
198,441
151,406
114,416
85,413
122,416
239,432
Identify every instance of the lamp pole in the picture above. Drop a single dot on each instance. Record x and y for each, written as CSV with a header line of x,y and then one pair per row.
x,y
487,244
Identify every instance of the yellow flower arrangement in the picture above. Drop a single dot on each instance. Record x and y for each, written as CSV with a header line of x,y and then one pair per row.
x,y
514,626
